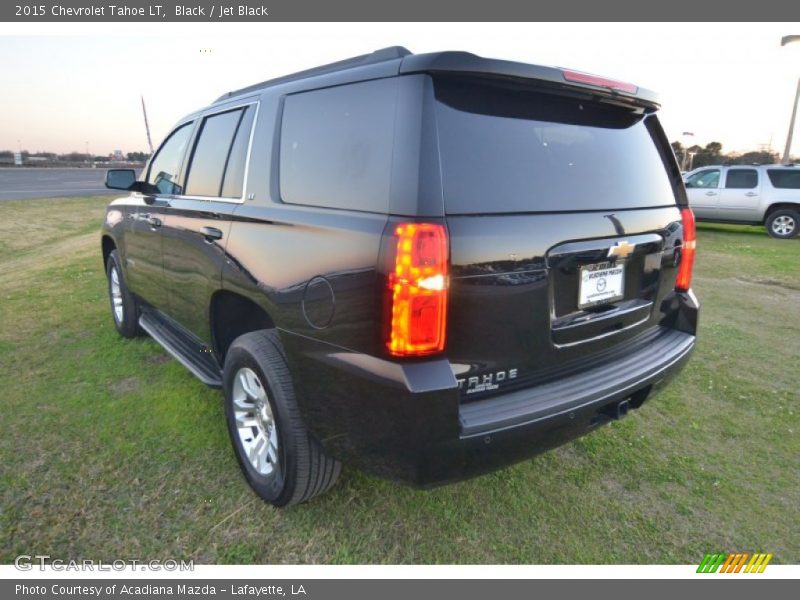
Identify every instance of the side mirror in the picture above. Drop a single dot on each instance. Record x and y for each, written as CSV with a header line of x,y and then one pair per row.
x,y
120,179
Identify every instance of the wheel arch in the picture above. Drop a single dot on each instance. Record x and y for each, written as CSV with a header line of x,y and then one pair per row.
x,y
232,315
108,245
781,206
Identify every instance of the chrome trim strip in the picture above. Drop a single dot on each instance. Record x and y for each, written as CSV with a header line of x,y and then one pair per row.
x,y
616,312
602,335
250,150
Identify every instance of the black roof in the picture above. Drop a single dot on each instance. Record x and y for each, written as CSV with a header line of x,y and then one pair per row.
x,y
379,56
458,62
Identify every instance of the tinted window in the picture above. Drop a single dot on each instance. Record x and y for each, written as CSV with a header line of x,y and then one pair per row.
x,y
741,178
784,178
234,173
336,146
166,165
518,150
709,178
211,153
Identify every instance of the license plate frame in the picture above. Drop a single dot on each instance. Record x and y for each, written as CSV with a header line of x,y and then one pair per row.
x,y
601,283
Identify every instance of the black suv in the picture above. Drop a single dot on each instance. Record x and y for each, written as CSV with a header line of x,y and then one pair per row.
x,y
427,266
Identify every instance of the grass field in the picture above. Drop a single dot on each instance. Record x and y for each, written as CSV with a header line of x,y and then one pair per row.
x,y
109,449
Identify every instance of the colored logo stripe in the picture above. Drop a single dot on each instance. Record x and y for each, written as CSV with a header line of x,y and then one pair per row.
x,y
711,563
759,561
734,562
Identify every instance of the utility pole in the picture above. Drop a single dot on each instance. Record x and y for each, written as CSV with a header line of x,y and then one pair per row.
x,y
788,148
147,127
685,134
788,39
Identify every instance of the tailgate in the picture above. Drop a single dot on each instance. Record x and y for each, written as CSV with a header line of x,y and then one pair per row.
x,y
515,316
564,228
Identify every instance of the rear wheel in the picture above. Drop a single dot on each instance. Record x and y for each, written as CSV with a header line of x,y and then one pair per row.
x,y
783,224
281,461
124,308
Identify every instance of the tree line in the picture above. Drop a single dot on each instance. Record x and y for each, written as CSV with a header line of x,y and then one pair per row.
x,y
698,156
8,156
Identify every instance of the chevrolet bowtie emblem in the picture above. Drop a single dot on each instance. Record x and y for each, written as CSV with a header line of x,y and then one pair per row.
x,y
621,249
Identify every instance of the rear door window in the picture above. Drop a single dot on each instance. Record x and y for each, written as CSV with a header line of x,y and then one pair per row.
x,y
521,150
707,178
784,178
741,179
212,152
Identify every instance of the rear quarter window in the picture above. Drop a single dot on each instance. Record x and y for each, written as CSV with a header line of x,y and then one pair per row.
x,y
336,146
784,178
520,150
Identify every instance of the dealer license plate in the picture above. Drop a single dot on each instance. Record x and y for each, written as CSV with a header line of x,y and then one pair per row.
x,y
601,283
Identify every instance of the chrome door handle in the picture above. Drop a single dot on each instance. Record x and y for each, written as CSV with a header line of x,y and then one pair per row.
x,y
711,193
211,233
751,194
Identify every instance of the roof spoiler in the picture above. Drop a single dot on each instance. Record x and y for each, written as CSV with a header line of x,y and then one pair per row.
x,y
467,63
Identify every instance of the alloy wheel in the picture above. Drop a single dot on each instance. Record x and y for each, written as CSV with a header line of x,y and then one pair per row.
x,y
255,422
116,296
783,225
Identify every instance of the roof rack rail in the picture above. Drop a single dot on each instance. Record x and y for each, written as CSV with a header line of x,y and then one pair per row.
x,y
382,55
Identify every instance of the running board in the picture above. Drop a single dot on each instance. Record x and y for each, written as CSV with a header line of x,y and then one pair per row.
x,y
200,361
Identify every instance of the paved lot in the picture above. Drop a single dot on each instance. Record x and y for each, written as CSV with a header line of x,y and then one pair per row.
x,y
51,183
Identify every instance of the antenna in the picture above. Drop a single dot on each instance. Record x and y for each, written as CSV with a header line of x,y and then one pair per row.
x,y
147,127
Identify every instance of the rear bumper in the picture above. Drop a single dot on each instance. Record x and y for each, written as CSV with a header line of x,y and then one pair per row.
x,y
608,382
406,422
506,429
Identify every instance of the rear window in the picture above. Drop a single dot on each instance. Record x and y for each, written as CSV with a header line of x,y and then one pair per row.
x,y
784,178
336,146
525,151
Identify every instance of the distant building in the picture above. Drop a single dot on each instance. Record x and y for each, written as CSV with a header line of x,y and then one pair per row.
x,y
118,155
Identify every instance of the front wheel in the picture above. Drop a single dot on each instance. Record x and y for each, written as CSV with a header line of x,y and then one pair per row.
x,y
124,308
783,224
279,458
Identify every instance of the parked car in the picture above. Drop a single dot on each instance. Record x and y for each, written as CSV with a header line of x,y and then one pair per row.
x,y
753,195
426,266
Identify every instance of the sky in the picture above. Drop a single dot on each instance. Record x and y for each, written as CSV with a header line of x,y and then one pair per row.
x,y
66,85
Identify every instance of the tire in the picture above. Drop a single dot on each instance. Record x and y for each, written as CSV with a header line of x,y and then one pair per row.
x,y
124,308
279,458
783,224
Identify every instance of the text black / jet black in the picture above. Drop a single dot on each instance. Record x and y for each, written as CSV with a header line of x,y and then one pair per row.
x,y
427,266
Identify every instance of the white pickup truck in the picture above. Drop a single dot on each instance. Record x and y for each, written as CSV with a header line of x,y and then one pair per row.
x,y
766,194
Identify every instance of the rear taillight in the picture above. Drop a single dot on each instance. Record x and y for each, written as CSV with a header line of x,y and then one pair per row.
x,y
417,288
684,280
